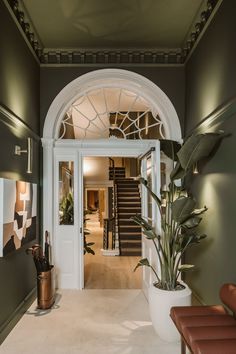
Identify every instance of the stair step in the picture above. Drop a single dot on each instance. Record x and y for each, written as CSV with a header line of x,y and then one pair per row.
x,y
119,184
130,236
129,180
128,200
129,204
126,206
127,191
125,211
130,228
131,252
125,186
130,244
118,173
127,214
116,168
130,233
129,194
127,221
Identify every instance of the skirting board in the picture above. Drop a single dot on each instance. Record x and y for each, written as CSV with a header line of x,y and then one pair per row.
x,y
7,327
196,300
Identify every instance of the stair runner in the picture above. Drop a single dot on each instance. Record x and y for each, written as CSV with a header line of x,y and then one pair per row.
x,y
128,204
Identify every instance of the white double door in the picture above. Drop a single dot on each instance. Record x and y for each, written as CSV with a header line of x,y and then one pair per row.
x,y
68,238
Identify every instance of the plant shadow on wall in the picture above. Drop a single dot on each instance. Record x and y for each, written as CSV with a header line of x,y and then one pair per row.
x,y
179,221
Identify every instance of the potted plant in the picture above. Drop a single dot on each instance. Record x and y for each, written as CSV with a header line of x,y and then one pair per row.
x,y
87,245
179,221
66,210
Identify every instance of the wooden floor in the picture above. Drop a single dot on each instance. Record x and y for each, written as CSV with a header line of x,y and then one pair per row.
x,y
107,272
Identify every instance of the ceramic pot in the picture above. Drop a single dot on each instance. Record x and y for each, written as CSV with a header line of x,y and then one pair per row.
x,y
160,303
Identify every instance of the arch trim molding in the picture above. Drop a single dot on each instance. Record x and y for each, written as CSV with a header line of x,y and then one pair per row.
x,y
117,78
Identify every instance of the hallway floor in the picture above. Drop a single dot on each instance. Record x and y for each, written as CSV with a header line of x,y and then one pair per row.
x,y
89,322
108,272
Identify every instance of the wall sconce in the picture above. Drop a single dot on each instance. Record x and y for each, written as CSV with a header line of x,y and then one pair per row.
x,y
28,151
195,169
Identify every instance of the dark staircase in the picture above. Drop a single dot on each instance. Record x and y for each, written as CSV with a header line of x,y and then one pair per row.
x,y
128,204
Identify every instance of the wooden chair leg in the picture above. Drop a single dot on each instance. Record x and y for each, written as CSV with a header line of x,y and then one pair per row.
x,y
183,346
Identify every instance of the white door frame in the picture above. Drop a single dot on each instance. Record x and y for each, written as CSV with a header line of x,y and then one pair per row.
x,y
74,150
148,250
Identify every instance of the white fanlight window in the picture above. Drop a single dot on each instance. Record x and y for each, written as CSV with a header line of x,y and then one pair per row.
x,y
111,113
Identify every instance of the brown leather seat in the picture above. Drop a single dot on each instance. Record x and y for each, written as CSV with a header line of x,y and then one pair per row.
x,y
208,329
228,296
180,311
201,321
219,346
192,334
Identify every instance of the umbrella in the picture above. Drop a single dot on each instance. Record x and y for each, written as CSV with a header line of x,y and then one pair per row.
x,y
41,262
47,246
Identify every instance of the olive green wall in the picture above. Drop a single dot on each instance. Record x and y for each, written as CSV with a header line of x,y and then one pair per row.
x,y
210,83
19,93
170,79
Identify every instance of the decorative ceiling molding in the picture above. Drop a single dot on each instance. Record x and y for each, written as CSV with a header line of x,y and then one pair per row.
x,y
200,26
115,57
111,57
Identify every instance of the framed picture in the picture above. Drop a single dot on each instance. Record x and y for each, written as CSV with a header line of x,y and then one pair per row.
x,y
18,214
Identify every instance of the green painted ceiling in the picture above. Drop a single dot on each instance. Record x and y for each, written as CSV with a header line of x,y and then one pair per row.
x,y
101,24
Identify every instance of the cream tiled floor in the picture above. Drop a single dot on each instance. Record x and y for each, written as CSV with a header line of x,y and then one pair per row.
x,y
89,322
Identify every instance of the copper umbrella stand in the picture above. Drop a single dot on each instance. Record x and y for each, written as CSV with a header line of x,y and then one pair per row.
x,y
45,274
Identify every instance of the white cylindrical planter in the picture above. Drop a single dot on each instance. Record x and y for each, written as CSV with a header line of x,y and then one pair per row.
x,y
160,303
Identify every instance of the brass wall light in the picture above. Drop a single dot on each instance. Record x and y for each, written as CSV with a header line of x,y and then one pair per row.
x,y
28,151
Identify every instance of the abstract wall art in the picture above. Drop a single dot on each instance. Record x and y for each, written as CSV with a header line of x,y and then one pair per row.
x,y
18,214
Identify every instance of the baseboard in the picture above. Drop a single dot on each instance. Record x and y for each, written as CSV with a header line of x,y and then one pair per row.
x,y
197,299
8,325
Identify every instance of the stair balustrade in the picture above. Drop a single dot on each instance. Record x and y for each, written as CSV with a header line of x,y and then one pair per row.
x,y
109,225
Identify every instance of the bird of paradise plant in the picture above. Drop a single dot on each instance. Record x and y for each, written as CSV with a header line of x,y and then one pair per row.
x,y
179,217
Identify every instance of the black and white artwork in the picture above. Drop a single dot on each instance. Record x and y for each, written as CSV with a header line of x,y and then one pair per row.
x,y
18,214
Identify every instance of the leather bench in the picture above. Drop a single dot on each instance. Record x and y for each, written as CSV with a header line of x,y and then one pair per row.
x,y
208,329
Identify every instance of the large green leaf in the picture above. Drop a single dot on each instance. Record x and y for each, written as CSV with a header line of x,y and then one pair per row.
x,y
185,267
178,172
199,211
150,234
182,208
191,222
194,219
154,196
170,148
142,262
141,221
190,237
197,147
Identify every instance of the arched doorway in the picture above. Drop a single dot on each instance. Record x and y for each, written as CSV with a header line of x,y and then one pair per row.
x,y
57,150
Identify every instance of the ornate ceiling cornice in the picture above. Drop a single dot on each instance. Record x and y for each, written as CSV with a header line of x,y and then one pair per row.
x,y
115,57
